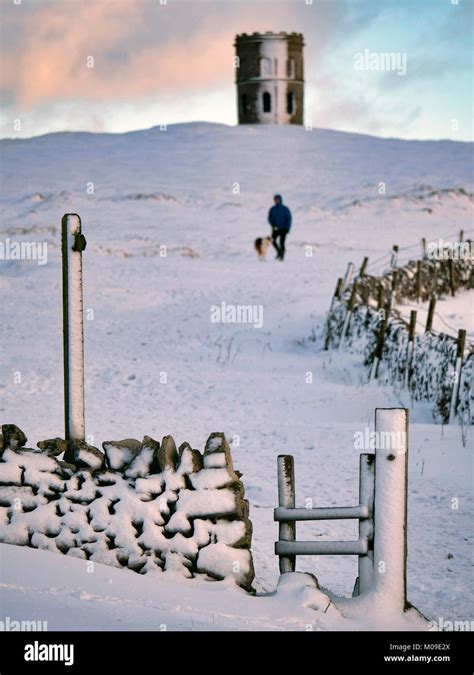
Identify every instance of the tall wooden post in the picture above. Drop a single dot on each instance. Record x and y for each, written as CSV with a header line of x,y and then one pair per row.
x,y
73,243
390,509
286,498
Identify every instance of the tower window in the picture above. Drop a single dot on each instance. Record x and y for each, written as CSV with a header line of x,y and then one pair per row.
x,y
290,103
290,68
244,103
267,102
265,67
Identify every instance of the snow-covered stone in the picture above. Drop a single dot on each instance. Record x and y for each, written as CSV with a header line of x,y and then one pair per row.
x,y
13,436
119,454
84,456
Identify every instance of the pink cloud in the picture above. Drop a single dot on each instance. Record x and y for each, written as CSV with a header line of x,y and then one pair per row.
x,y
140,49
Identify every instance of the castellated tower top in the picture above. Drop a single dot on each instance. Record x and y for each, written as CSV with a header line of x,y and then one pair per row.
x,y
269,78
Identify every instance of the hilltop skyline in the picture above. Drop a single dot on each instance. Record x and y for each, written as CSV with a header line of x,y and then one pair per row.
x,y
112,65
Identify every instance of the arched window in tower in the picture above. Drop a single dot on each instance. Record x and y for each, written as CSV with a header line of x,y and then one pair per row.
x,y
265,67
290,68
244,104
267,102
290,103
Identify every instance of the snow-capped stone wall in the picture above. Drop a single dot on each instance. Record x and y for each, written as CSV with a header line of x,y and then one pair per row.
x,y
436,278
432,365
147,506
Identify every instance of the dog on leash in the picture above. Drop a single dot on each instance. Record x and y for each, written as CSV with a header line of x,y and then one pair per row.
x,y
261,246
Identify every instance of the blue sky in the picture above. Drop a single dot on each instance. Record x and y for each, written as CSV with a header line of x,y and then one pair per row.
x,y
162,63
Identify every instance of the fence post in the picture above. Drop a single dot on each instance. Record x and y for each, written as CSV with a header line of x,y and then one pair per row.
x,y
451,276
336,296
423,248
366,525
418,281
394,257
347,318
363,267
393,290
411,340
429,318
434,280
380,296
390,507
286,498
348,276
72,244
457,374
378,348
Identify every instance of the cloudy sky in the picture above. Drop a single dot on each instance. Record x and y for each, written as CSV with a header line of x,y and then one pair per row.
x,y
165,61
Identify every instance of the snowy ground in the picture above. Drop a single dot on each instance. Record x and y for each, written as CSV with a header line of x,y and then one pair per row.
x,y
151,314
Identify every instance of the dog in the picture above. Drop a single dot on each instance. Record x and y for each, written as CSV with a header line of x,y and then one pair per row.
x,y
261,246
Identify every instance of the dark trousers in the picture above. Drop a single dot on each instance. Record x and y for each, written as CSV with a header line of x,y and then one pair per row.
x,y
278,241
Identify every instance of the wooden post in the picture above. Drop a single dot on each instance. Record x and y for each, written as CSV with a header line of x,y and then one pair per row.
x,y
411,340
380,296
394,258
418,281
457,374
73,243
423,248
377,357
393,291
286,498
451,276
363,267
347,277
429,318
434,281
366,525
390,507
336,296
347,318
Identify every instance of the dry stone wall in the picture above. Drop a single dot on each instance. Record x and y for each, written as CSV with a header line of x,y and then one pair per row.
x,y
432,364
147,506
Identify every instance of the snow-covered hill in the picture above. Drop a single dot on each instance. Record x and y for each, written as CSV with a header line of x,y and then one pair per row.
x,y
203,191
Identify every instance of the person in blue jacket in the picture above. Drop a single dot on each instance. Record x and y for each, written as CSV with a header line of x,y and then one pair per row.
x,y
279,218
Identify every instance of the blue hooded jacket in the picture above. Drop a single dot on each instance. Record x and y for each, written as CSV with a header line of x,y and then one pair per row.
x,y
279,217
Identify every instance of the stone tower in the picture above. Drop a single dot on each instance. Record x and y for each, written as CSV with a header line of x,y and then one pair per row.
x,y
269,78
